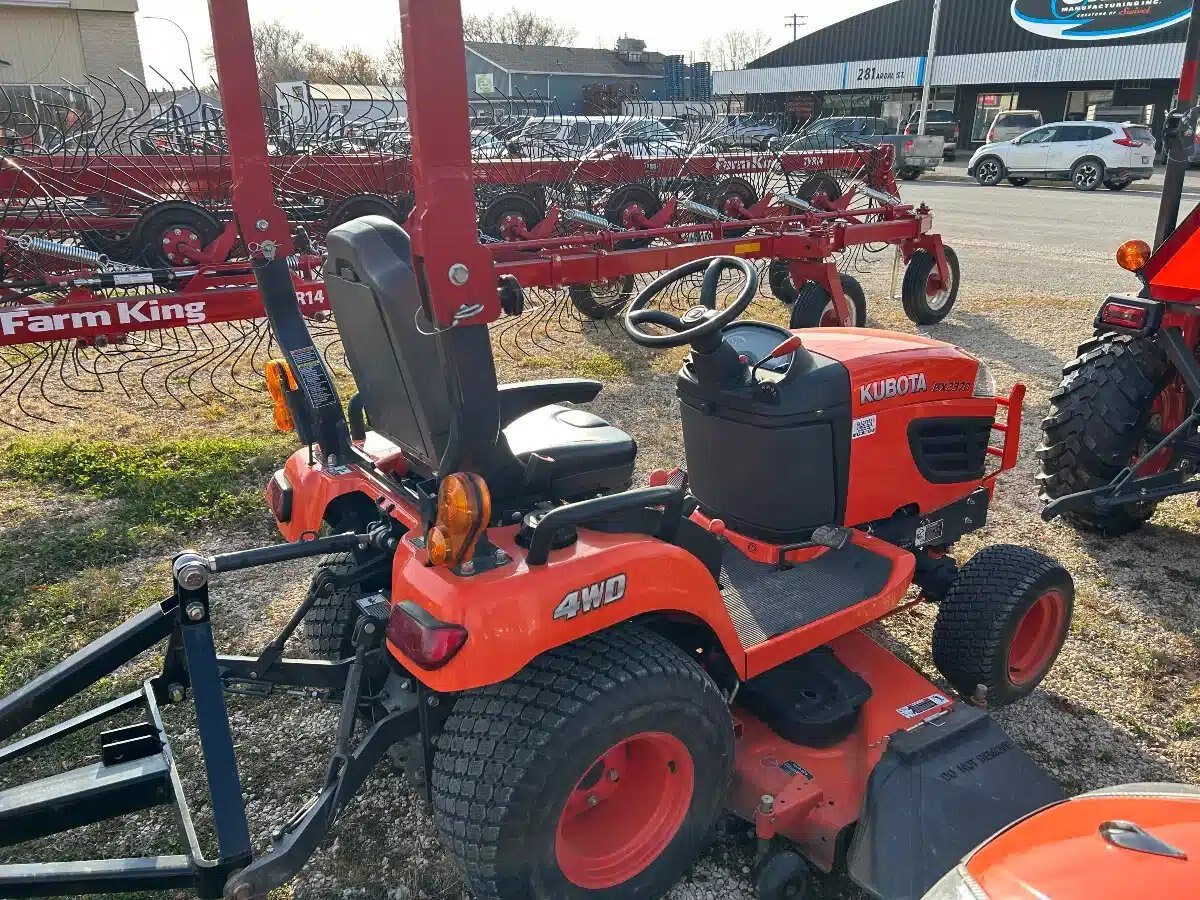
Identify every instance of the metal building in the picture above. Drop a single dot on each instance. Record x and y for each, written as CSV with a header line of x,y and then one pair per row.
x,y
989,58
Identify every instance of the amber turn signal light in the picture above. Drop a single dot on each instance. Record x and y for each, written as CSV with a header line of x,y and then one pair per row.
x,y
279,382
1133,255
464,507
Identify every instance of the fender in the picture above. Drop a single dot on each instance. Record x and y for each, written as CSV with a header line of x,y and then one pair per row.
x,y
516,612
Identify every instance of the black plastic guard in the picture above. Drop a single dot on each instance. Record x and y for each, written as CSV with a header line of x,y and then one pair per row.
x,y
937,793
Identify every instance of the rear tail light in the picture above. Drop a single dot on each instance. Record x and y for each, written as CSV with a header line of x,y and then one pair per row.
x,y
991,136
1128,140
954,132
279,497
908,146
423,638
1123,315
908,128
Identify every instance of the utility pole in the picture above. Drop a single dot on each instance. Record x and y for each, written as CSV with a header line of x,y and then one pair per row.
x,y
796,22
929,58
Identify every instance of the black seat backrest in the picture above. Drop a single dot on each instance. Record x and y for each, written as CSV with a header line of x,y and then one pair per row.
x,y
395,360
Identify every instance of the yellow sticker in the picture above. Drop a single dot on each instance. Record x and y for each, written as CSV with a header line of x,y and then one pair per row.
x,y
739,249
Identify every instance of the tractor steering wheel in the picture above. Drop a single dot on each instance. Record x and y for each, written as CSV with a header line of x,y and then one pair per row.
x,y
699,321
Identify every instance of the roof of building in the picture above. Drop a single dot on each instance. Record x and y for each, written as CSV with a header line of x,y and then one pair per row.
x,y
354,92
524,59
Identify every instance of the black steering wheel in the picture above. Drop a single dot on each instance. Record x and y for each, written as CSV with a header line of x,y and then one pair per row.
x,y
699,321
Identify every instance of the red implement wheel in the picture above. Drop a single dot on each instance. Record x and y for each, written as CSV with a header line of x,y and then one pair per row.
x,y
358,205
926,299
629,207
174,233
733,198
814,306
509,216
625,810
1002,624
595,773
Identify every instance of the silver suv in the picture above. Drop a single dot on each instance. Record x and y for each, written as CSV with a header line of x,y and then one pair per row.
x,y
749,132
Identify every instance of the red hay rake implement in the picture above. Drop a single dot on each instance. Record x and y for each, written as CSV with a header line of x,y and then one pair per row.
x,y
122,269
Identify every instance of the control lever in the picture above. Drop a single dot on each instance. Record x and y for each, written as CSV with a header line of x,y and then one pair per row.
x,y
790,345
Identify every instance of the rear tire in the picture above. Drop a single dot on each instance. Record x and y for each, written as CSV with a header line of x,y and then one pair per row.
x,y
1118,185
1003,623
909,173
329,626
1097,425
1018,182
516,758
920,306
1087,175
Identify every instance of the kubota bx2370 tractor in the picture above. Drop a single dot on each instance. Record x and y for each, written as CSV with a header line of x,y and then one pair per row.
x,y
581,675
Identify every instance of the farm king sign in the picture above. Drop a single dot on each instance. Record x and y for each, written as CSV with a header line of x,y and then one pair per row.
x,y
1098,20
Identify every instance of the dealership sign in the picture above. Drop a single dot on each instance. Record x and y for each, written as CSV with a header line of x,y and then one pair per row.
x,y
1098,20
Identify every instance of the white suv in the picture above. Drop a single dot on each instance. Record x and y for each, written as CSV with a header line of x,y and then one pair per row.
x,y
1089,154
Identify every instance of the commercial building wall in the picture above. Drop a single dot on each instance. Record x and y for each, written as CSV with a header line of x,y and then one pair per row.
x,y
45,44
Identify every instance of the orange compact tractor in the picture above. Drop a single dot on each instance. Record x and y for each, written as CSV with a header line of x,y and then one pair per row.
x,y
1134,840
579,674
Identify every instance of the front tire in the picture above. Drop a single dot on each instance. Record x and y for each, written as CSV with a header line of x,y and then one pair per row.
x,y
596,772
1097,424
989,171
1002,624
926,301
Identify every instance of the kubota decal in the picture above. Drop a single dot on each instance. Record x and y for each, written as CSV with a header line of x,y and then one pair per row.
x,y
591,598
1097,20
887,388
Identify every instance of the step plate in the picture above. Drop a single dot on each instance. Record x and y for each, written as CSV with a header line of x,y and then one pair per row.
x,y
764,601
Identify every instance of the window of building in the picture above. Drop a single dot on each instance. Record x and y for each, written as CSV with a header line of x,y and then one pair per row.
x,y
1080,103
987,107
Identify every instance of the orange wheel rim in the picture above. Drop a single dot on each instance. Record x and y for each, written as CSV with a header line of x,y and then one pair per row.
x,y
1035,643
625,810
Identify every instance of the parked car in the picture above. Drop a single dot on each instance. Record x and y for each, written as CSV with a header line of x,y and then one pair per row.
x,y
915,154
939,122
748,132
1087,153
1013,123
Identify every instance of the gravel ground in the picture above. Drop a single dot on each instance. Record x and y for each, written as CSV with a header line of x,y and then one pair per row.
x,y
1121,705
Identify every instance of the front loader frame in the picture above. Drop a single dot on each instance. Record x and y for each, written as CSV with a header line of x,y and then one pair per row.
x,y
137,771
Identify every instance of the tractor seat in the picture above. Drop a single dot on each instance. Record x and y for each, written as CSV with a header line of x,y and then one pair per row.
x,y
589,456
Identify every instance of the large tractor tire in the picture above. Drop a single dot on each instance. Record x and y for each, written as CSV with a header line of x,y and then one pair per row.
x,y
329,626
1098,424
1002,624
596,772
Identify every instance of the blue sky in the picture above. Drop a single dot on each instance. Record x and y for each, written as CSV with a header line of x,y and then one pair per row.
x,y
667,25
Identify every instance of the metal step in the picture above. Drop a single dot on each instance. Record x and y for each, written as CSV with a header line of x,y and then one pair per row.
x,y
81,797
67,879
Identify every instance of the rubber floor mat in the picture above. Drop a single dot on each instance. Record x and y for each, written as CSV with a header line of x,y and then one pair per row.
x,y
764,601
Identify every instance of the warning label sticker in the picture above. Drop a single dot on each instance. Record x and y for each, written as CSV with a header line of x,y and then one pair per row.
x,y
794,768
310,372
931,532
924,705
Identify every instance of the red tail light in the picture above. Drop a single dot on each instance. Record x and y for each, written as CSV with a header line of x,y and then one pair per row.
x,y
908,146
954,132
908,128
421,637
1128,140
1121,315
991,136
279,497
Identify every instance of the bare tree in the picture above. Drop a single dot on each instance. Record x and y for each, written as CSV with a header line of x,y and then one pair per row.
x,y
350,65
734,49
518,27
393,63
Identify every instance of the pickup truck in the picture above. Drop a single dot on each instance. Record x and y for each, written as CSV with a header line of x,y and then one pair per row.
x,y
915,154
938,123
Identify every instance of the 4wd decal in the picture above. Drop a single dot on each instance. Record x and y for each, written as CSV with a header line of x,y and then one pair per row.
x,y
887,388
592,597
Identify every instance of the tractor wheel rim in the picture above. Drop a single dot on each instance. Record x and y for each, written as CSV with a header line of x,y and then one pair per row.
x,y
625,810
1035,642
829,317
1086,176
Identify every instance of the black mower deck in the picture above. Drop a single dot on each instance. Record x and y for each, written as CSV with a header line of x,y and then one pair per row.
x,y
765,601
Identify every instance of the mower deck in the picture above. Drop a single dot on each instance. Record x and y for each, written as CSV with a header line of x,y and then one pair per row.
x,y
765,601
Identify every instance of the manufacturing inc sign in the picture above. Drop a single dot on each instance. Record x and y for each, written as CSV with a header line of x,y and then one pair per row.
x,y
1098,20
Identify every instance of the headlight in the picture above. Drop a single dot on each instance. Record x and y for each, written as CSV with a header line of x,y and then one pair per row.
x,y
957,884
985,382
